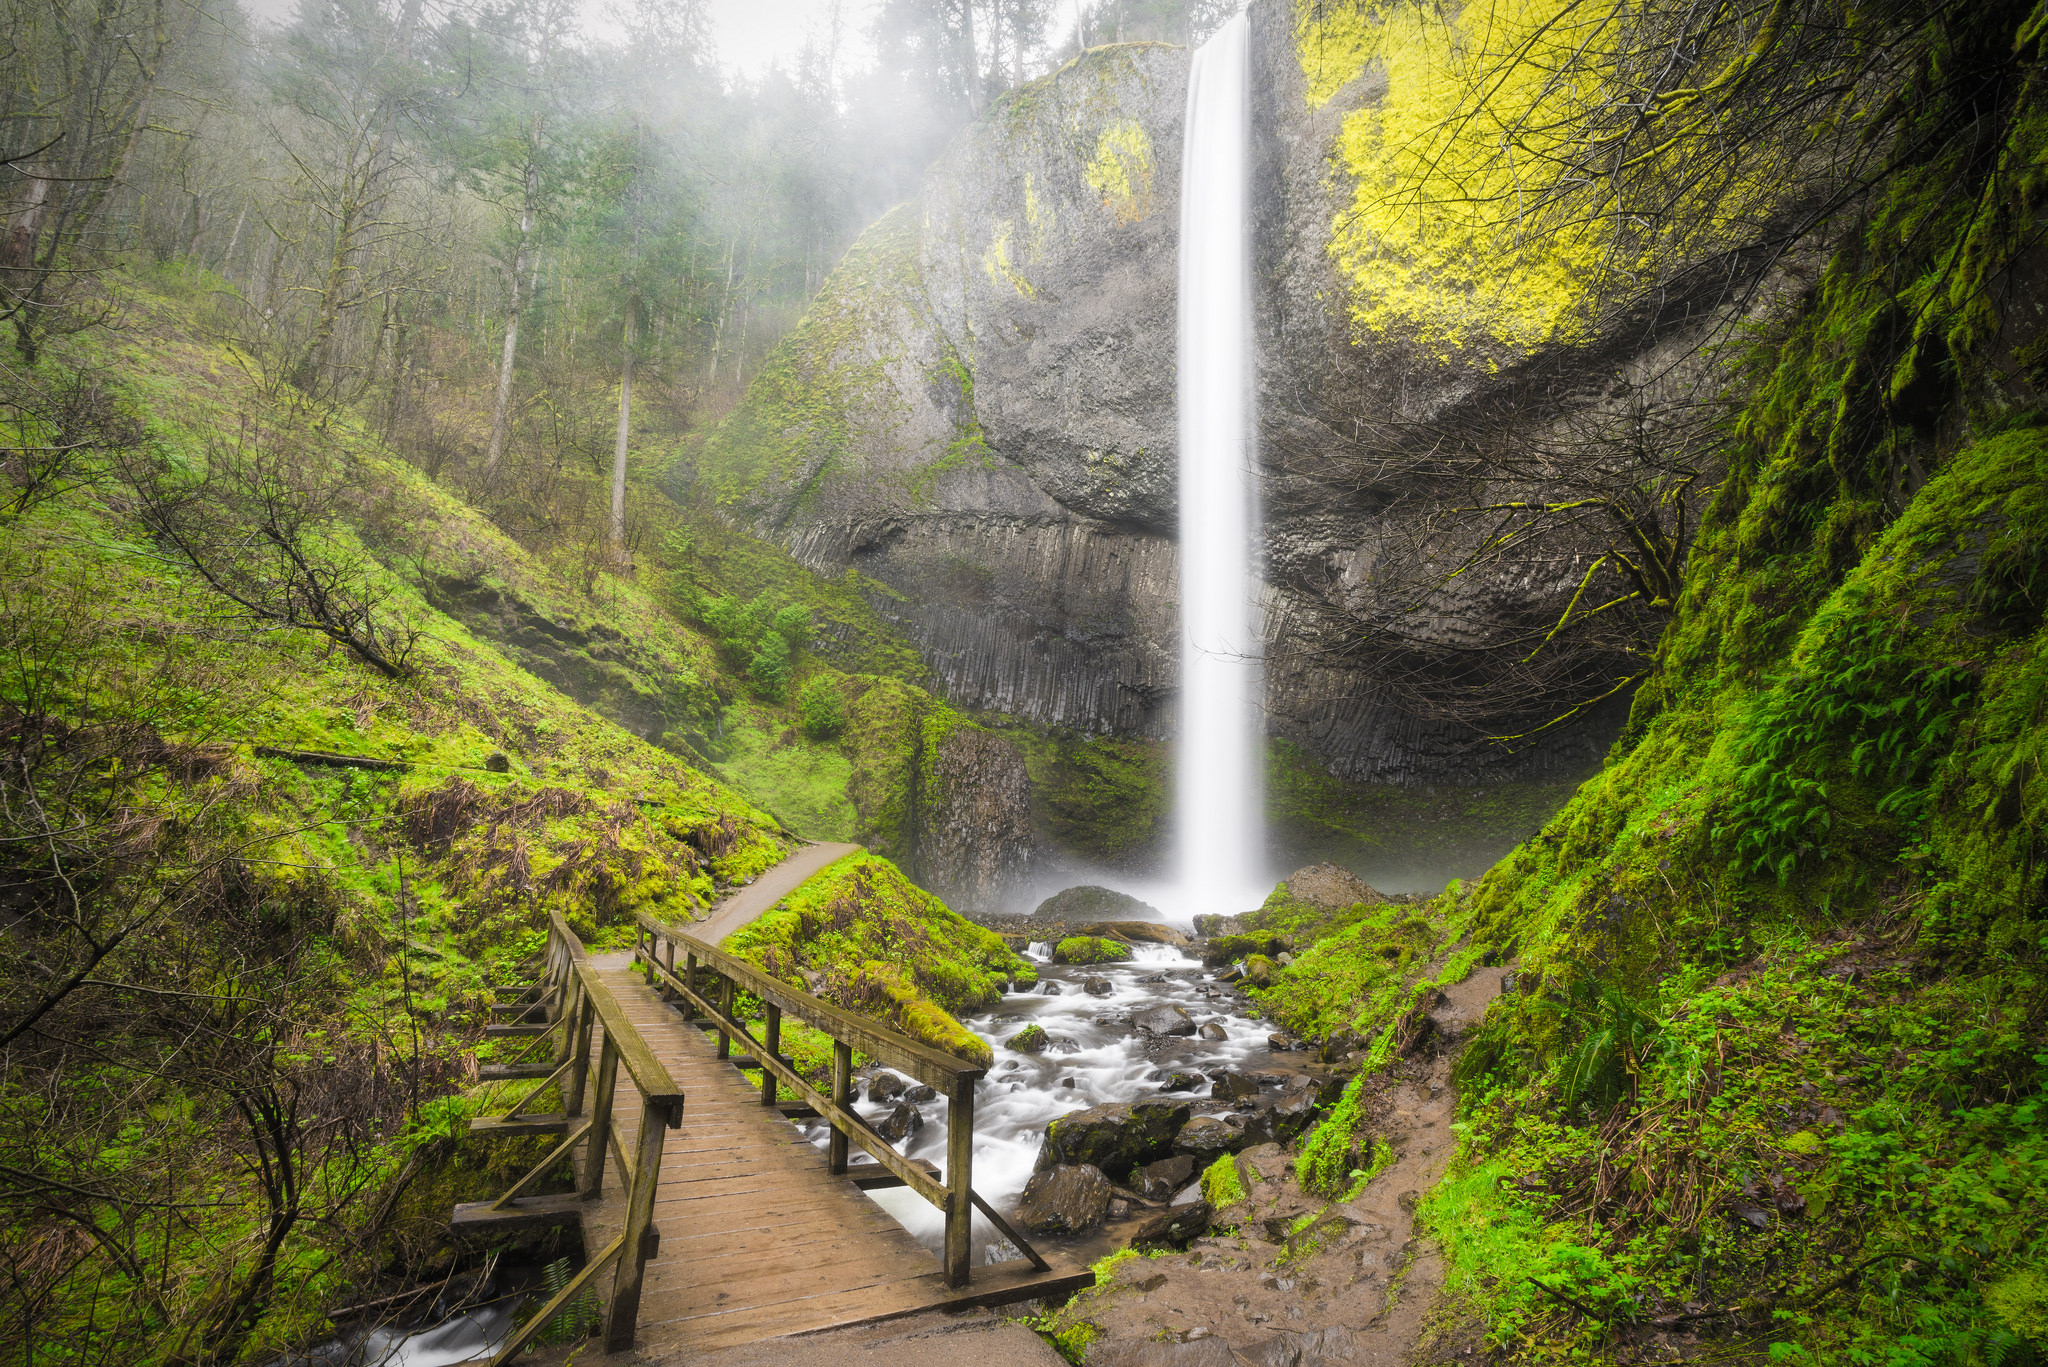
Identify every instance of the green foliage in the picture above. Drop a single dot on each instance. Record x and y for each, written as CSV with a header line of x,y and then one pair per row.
x,y
756,632
1222,1187
1362,978
1879,715
1328,1155
824,714
861,934
1089,949
579,1316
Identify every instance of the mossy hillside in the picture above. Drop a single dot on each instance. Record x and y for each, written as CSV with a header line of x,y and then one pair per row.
x,y
1358,977
804,783
1286,916
417,887
701,555
861,934
1776,1045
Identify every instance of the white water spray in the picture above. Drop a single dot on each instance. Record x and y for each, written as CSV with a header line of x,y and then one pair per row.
x,y
1220,799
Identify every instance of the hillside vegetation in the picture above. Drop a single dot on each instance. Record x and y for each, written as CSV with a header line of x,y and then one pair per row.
x,y
296,766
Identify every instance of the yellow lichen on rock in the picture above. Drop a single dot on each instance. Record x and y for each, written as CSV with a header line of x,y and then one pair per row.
x,y
1335,41
996,261
1121,172
1438,240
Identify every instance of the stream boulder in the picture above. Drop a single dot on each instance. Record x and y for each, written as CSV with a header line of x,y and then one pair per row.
x,y
1114,1137
900,1124
1032,1039
1091,903
1164,1019
1206,1138
1160,1180
1174,1228
1068,1198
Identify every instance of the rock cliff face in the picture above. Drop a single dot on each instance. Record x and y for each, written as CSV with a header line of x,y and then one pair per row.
x,y
978,416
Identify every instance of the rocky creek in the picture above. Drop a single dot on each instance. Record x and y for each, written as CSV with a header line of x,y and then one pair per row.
x,y
1157,1031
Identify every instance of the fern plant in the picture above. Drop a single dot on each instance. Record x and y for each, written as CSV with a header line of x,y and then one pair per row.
x,y
1874,716
578,1318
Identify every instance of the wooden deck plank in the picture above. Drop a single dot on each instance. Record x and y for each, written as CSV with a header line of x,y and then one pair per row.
x,y
758,1238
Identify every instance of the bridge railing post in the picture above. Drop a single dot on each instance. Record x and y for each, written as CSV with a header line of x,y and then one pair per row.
x,y
842,1098
960,1182
771,1036
690,981
641,1239
600,1121
579,1054
725,1014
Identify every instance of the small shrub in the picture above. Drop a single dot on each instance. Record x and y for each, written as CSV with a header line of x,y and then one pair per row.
x,y
824,714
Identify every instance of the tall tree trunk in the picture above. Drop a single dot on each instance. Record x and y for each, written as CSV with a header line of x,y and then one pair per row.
x,y
1016,43
625,431
501,408
973,62
631,340
724,312
227,258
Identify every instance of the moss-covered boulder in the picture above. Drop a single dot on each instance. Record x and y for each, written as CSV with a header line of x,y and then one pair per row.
x,y
1032,1039
862,935
1225,948
1089,949
1114,1137
1091,903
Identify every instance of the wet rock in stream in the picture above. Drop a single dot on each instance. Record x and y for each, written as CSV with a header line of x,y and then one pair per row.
x,y
1206,1137
885,1087
1178,1081
1064,1199
1164,1019
1159,1181
900,1123
1032,1039
1114,1137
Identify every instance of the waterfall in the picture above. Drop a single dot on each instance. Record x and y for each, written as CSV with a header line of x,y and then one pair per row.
x,y
1219,796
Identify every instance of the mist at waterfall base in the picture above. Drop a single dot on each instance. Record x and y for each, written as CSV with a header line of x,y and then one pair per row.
x,y
1219,801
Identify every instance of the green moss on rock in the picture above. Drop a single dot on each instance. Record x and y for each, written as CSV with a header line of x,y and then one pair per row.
x,y
1089,949
861,934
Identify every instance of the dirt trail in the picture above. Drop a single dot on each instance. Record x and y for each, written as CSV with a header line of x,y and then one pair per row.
x,y
776,882
1359,1293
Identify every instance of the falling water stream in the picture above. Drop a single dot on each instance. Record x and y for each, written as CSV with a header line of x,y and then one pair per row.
x,y
1219,797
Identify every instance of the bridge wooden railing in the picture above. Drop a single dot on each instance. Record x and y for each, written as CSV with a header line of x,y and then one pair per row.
x,y
707,985
570,998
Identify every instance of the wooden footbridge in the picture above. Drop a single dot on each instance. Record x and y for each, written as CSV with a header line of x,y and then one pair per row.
x,y
719,1222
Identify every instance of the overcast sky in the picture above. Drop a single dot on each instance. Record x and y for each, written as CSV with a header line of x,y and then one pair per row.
x,y
753,35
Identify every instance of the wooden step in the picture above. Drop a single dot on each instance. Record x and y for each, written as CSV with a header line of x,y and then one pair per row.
x,y
518,1008
494,1127
514,1072
525,1212
747,1061
515,1031
797,1110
